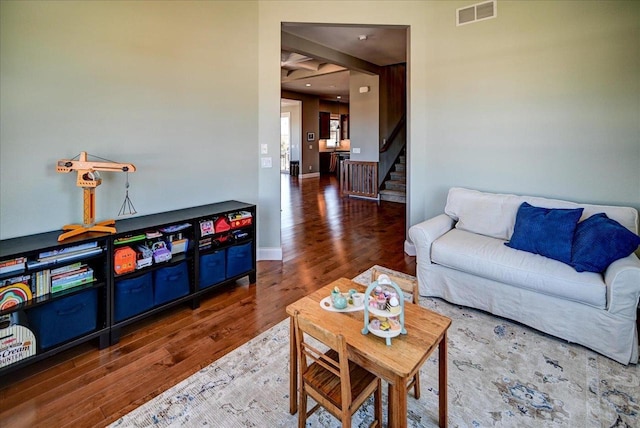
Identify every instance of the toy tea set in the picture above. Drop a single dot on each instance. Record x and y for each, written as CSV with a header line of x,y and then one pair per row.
x,y
383,305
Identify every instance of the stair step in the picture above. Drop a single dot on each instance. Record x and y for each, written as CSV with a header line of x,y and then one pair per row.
x,y
400,167
395,175
399,185
402,159
393,196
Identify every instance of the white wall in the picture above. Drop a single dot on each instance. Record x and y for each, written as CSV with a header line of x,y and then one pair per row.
x,y
169,86
364,115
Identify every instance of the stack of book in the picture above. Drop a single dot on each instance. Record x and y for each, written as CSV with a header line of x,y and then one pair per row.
x,y
66,254
13,265
47,281
70,276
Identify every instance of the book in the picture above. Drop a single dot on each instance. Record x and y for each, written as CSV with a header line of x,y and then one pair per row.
x,y
67,255
67,268
71,277
67,250
14,280
13,265
52,260
68,285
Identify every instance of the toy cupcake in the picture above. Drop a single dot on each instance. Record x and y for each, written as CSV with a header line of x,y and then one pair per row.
x,y
393,305
394,323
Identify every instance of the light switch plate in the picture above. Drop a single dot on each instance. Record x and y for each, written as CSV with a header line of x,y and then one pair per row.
x,y
266,163
356,150
264,149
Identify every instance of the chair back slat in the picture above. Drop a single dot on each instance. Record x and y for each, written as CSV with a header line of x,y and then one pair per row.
x,y
339,368
326,376
320,358
408,286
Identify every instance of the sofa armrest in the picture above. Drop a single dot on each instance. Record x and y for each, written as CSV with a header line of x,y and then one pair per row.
x,y
623,286
425,233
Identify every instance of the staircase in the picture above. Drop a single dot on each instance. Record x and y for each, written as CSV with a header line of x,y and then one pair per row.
x,y
395,188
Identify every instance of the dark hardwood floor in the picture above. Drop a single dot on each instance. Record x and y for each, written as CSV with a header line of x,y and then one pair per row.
x,y
324,237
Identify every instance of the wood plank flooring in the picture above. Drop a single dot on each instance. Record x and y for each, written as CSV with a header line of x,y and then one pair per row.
x,y
324,237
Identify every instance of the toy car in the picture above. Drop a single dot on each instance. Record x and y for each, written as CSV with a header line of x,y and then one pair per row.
x,y
160,252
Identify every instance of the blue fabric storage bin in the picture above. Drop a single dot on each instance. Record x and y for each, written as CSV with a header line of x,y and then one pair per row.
x,y
212,268
170,282
239,259
64,319
133,296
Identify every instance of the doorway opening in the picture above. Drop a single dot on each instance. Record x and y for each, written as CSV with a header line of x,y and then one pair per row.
x,y
290,133
285,141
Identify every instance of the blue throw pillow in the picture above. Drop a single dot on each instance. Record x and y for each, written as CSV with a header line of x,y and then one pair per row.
x,y
545,231
600,241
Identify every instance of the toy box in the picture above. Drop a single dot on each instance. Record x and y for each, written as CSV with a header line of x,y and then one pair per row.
x,y
239,259
64,319
179,246
144,256
212,268
240,219
132,296
170,282
124,260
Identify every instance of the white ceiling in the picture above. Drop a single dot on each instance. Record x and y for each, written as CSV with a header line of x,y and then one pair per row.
x,y
384,45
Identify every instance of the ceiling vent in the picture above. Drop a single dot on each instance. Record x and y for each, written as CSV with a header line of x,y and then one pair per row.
x,y
476,12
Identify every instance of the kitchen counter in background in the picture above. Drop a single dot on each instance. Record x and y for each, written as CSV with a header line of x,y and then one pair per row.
x,y
325,161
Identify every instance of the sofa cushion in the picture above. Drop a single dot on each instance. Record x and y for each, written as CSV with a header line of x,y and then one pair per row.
x,y
490,258
545,231
494,214
600,241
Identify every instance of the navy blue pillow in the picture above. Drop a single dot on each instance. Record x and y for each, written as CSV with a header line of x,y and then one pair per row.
x,y
545,231
600,241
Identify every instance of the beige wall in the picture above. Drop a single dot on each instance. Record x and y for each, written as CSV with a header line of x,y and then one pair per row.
x,y
169,86
544,100
540,100
364,117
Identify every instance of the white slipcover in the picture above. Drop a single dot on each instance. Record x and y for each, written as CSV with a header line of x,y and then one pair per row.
x,y
462,258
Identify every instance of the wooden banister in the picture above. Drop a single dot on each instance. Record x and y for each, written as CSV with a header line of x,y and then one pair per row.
x,y
393,135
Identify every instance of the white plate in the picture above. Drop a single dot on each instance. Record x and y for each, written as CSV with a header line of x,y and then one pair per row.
x,y
327,306
382,333
381,313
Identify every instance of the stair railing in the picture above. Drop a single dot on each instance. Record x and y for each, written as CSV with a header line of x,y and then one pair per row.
x,y
391,148
359,178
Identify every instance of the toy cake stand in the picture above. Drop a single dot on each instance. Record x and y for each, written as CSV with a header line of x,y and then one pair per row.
x,y
378,313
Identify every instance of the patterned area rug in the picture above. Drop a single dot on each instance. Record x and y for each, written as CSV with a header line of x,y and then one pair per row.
x,y
501,374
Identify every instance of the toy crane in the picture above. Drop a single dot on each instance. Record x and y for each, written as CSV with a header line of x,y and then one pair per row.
x,y
89,179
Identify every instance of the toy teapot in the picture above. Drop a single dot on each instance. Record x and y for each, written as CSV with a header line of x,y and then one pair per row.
x,y
339,301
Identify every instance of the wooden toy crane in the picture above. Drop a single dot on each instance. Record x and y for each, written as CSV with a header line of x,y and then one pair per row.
x,y
89,179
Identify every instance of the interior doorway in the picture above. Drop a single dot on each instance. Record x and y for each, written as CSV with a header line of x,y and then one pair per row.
x,y
290,133
285,141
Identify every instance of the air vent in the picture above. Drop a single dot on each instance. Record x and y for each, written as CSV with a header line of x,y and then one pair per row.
x,y
477,12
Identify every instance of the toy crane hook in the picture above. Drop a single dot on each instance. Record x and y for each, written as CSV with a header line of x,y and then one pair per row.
x,y
89,178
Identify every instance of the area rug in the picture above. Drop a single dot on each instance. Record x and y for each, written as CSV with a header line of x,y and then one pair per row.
x,y
501,374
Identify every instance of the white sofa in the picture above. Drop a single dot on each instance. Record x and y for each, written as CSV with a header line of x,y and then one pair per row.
x,y
462,258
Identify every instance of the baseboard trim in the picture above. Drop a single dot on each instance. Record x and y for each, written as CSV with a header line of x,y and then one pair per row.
x,y
272,253
310,175
409,248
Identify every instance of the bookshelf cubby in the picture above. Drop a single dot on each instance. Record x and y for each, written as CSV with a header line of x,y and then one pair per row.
x,y
200,249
